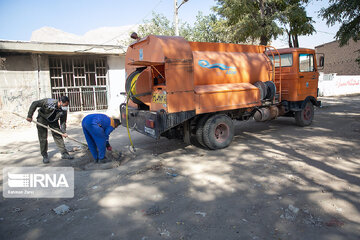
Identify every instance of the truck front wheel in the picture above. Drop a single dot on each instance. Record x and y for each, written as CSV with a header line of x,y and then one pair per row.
x,y
218,131
305,116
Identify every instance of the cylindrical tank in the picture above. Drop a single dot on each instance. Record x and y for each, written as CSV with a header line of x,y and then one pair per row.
x,y
195,75
267,113
221,63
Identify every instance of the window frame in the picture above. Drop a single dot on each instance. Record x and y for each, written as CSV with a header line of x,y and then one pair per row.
x,y
313,62
292,59
84,79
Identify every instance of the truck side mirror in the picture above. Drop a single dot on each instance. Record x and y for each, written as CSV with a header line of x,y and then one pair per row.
x,y
320,60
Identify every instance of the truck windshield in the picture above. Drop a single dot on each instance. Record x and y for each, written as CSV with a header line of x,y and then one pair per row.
x,y
286,60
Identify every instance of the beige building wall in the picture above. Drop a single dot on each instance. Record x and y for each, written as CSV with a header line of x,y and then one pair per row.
x,y
23,79
25,75
340,60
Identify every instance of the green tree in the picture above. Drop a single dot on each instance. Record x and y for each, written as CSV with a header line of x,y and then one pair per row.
x,y
205,29
250,20
209,29
240,21
161,25
157,25
295,21
347,13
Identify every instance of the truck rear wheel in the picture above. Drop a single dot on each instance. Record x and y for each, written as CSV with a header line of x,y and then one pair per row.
x,y
200,129
218,131
305,116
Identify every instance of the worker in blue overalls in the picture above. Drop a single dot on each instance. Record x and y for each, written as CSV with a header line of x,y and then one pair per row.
x,y
97,128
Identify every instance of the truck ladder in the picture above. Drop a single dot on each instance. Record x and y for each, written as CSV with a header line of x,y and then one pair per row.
x,y
276,74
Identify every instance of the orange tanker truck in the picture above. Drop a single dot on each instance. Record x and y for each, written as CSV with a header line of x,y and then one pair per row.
x,y
181,89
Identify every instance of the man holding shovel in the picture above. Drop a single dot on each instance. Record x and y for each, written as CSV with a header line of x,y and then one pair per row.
x,y
50,111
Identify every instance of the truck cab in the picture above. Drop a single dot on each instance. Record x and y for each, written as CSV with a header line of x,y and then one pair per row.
x,y
298,72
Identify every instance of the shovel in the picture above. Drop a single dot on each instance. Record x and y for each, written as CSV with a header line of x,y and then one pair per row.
x,y
55,131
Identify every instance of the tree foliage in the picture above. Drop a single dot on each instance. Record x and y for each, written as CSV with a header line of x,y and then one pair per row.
x,y
161,25
240,21
295,21
250,20
205,29
209,28
157,25
346,12
258,19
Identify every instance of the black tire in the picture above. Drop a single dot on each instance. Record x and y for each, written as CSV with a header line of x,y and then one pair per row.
x,y
262,88
199,130
305,116
218,131
271,90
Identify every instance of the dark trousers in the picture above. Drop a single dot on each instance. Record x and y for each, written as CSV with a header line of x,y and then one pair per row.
x,y
43,134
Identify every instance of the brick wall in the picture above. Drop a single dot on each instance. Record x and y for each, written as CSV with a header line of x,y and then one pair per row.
x,y
340,60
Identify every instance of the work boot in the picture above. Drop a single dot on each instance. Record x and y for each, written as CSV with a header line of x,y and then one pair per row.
x,y
66,155
46,159
102,160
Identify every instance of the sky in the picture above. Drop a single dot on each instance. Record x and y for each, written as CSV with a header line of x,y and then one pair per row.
x,y
18,18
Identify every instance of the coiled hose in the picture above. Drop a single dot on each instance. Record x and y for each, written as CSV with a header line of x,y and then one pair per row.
x,y
134,78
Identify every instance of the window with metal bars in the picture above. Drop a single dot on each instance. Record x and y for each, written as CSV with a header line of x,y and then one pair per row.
x,y
82,79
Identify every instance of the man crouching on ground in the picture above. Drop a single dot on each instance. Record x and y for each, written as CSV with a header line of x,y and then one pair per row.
x,y
97,128
50,111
